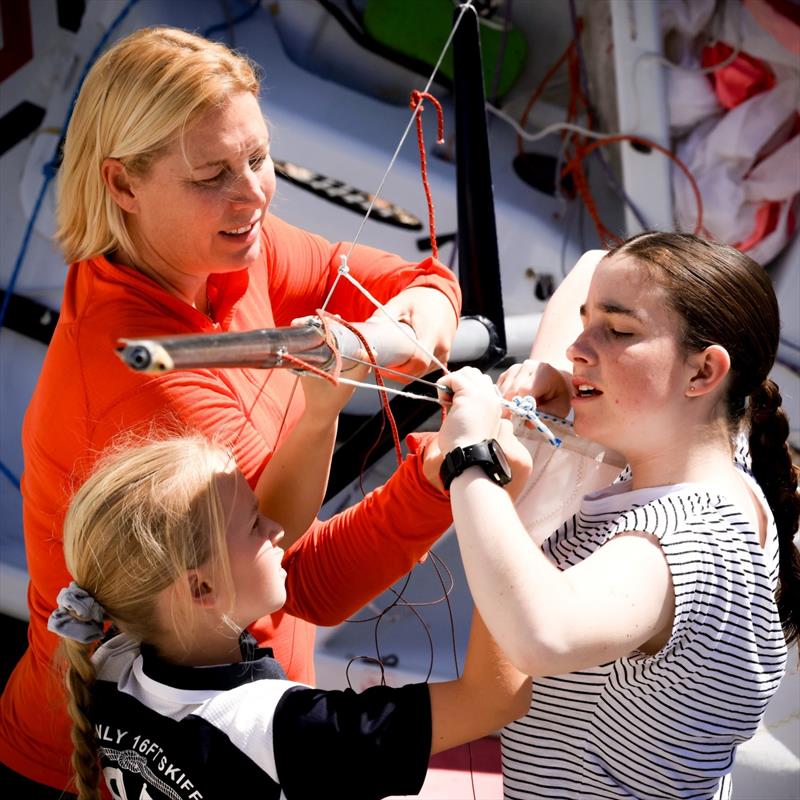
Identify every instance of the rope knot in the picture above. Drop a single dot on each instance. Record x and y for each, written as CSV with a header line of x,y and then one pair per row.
x,y
416,101
524,406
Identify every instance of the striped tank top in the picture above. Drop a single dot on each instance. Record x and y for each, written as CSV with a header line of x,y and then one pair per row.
x,y
664,725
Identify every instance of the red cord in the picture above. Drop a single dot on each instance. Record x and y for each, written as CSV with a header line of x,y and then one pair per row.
x,y
416,99
378,380
568,53
626,137
577,147
298,363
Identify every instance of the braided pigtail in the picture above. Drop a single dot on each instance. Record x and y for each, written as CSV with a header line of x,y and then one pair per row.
x,y
80,676
773,469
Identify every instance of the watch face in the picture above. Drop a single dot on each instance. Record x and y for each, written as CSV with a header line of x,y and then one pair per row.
x,y
500,456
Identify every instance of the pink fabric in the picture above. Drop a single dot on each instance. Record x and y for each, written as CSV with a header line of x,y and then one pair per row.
x,y
780,18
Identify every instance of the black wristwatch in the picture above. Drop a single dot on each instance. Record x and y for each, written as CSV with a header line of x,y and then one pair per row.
x,y
488,455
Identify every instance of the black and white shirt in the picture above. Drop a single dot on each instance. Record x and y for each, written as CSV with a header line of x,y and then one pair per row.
x,y
243,730
665,725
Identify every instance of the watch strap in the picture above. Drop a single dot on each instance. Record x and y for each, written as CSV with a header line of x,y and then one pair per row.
x,y
481,455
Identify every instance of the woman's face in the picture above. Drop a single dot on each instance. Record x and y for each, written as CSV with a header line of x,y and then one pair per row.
x,y
199,209
630,373
253,552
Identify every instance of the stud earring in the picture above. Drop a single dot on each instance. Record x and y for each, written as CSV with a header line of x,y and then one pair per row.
x,y
691,388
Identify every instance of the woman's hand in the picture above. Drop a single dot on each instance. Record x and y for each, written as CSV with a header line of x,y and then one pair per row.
x,y
324,400
547,385
434,321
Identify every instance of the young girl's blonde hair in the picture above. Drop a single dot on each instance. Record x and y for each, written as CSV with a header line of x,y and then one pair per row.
x,y
145,516
138,98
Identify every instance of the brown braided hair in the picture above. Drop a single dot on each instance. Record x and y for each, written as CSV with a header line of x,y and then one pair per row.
x,y
726,298
772,465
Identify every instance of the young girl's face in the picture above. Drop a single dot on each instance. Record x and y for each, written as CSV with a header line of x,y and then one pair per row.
x,y
629,371
253,552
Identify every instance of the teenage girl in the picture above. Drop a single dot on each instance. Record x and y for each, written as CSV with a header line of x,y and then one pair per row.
x,y
655,621
166,541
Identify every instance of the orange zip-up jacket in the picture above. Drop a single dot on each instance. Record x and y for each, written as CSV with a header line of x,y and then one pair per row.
x,y
86,395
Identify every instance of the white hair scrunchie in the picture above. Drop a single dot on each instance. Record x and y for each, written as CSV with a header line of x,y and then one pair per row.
x,y
78,616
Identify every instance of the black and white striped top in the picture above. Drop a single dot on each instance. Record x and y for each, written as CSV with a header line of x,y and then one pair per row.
x,y
665,725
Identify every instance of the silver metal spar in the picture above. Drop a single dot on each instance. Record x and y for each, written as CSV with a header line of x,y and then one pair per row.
x,y
266,348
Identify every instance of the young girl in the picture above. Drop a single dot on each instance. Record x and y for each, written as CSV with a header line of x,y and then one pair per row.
x,y
166,540
654,621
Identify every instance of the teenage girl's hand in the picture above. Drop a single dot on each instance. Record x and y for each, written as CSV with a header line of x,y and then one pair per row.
x,y
475,410
547,385
475,415
434,321
517,455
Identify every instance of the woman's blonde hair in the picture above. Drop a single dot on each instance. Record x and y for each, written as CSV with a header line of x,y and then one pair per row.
x,y
138,98
145,516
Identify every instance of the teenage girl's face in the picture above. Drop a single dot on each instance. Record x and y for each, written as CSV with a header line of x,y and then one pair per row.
x,y
253,552
200,207
629,371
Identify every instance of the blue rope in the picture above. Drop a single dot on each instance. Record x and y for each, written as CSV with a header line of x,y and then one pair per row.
x,y
10,475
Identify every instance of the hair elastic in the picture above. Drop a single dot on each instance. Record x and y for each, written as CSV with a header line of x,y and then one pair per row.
x,y
78,616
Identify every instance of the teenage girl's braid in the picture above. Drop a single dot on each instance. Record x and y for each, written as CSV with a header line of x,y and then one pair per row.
x,y
80,676
773,469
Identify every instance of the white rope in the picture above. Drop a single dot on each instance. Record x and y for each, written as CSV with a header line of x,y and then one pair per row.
x,y
403,375
524,407
345,271
389,389
556,127
400,144
414,114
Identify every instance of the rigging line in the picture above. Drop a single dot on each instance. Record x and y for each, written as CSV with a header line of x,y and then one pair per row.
x,y
400,144
388,416
404,375
389,389
521,407
417,100
600,140
345,271
401,602
411,121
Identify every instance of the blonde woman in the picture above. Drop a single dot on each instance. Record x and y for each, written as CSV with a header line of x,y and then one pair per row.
x,y
654,622
163,215
166,540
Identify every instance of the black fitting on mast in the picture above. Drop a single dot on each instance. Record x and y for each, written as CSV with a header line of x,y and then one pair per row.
x,y
478,260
